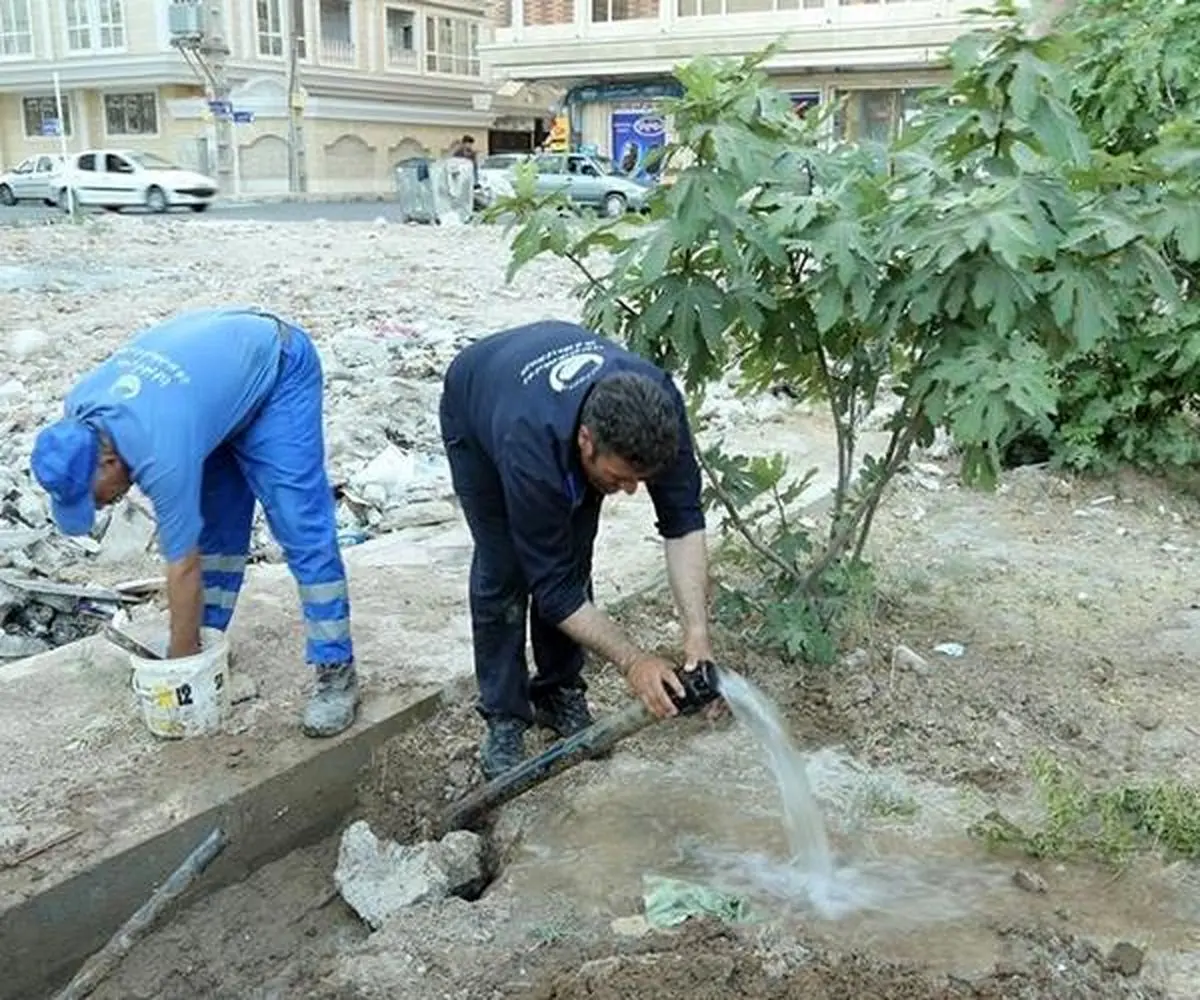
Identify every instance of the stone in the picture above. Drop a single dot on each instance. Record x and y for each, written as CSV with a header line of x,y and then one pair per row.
x,y
952,649
1029,881
1125,959
24,344
11,391
632,927
17,647
128,536
378,879
905,659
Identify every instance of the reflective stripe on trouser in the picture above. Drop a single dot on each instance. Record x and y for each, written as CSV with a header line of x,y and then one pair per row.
x,y
223,574
280,459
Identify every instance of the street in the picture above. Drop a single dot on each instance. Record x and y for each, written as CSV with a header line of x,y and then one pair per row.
x,y
334,211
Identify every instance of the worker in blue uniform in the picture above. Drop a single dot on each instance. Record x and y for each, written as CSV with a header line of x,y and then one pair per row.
x,y
540,423
207,412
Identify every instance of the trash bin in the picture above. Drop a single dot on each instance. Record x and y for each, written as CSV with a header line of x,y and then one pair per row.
x,y
435,191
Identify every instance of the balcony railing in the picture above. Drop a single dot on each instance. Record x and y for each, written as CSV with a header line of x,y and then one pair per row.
x,y
338,52
400,57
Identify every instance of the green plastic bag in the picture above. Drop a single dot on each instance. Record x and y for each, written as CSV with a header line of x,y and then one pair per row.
x,y
670,901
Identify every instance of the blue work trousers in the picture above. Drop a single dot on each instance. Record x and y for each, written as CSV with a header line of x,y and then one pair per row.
x,y
499,593
278,458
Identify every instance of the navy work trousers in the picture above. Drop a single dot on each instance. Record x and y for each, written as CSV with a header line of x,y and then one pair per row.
x,y
499,593
279,459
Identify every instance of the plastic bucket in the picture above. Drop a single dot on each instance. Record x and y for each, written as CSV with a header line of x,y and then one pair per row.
x,y
187,697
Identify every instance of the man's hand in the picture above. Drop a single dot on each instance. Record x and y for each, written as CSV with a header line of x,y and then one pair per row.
x,y
650,678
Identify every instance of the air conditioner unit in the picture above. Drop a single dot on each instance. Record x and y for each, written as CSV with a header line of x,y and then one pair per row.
x,y
186,19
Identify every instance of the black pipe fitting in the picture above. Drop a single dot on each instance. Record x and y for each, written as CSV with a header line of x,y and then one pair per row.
x,y
700,687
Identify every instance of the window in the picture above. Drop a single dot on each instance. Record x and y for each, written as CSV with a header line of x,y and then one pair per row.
x,y
629,10
401,29
94,25
270,27
114,164
131,114
452,46
337,32
874,115
40,114
86,162
16,28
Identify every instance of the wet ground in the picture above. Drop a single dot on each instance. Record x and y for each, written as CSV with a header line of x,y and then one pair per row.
x,y
1077,641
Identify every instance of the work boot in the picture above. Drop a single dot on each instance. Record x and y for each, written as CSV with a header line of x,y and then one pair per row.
x,y
564,711
503,747
334,701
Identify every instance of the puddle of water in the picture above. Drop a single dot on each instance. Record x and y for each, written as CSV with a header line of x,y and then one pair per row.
x,y
912,886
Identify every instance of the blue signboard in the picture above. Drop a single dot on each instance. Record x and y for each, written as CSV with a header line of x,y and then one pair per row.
x,y
222,109
243,117
635,137
51,127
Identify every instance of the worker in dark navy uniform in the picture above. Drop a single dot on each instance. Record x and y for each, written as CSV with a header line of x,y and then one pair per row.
x,y
206,413
540,423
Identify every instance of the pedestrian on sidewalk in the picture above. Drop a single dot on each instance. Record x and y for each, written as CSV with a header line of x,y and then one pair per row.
x,y
205,413
540,423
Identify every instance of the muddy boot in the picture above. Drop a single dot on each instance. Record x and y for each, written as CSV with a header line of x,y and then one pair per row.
x,y
334,701
564,711
503,747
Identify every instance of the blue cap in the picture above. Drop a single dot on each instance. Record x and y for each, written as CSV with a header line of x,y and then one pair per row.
x,y
64,460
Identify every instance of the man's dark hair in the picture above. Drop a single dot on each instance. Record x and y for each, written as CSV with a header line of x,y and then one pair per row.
x,y
633,417
468,140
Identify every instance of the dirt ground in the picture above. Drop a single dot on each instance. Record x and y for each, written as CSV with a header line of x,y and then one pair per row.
x,y
1074,604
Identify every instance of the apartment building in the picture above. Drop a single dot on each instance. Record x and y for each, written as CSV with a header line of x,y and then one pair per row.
x,y
382,80
614,58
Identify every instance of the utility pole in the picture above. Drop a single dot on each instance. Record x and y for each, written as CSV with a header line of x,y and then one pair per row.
x,y
297,158
198,32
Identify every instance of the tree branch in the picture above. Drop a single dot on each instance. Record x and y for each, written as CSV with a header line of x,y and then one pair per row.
x,y
740,525
595,282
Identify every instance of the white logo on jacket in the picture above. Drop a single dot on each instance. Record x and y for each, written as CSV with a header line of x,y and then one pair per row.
x,y
126,387
573,371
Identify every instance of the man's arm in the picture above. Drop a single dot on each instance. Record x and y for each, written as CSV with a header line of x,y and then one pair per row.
x,y
185,600
687,569
175,496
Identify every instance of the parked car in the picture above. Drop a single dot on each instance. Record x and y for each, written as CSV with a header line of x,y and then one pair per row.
x,y
591,181
122,178
29,180
495,179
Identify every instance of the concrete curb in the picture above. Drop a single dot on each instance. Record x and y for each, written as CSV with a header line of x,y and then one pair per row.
x,y
305,198
46,936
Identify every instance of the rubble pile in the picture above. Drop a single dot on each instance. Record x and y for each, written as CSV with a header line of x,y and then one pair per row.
x,y
36,615
387,305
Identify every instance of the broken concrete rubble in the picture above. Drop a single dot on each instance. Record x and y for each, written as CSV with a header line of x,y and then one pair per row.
x,y
378,879
37,615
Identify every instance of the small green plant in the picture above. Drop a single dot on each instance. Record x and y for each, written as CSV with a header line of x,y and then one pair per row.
x,y
1110,825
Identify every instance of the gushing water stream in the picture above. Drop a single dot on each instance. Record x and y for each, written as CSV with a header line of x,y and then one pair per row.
x,y
810,873
803,822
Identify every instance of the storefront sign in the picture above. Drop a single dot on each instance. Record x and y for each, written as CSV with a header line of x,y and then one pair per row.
x,y
635,136
649,90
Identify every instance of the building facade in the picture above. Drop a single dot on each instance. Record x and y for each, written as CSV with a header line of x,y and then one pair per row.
x,y
382,80
614,58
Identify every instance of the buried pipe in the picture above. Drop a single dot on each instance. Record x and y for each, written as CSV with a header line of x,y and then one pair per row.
x,y
700,689
97,968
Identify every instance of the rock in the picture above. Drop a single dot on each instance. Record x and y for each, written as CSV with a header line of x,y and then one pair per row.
x,y
1125,959
17,647
13,839
379,879
128,536
634,927
904,658
952,649
11,391
25,344
856,660
1147,717
1029,881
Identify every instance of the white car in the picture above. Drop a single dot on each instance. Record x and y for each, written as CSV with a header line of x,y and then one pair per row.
x,y
29,180
122,178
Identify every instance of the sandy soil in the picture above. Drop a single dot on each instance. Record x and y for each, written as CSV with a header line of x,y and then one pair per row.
x,y
1073,601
